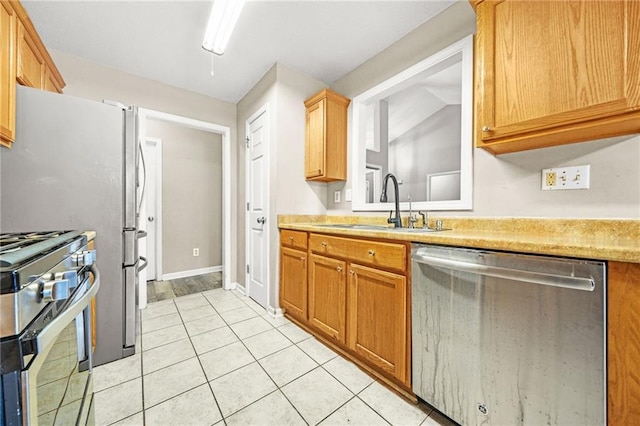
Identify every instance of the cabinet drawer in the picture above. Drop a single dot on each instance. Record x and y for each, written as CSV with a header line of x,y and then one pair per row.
x,y
294,239
383,255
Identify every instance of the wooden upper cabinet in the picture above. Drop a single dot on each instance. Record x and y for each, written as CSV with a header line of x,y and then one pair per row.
x,y
31,66
7,74
23,59
326,137
555,72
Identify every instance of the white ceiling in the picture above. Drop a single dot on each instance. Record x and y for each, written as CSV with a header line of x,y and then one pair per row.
x,y
161,40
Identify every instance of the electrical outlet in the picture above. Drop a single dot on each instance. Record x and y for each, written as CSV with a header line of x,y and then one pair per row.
x,y
560,178
550,178
347,194
336,197
196,252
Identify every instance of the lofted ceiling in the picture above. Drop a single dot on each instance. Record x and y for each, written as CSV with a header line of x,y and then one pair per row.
x,y
161,40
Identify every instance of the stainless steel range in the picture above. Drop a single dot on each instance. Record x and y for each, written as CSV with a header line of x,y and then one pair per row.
x,y
45,328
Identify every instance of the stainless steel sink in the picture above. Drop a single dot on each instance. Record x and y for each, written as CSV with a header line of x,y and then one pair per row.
x,y
358,226
419,230
381,228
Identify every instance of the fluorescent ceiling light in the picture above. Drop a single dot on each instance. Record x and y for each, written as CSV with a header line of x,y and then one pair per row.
x,y
224,15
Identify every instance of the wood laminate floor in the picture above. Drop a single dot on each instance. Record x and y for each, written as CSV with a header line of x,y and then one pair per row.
x,y
170,289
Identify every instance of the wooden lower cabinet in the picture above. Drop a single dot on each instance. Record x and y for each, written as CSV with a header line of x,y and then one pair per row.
x,y
623,343
378,318
327,296
357,299
293,282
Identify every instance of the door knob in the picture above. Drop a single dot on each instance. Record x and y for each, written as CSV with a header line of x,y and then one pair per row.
x,y
261,220
150,218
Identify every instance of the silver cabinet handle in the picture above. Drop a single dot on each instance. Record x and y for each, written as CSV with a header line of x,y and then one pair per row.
x,y
261,220
303,258
372,252
323,244
339,269
150,218
486,129
352,272
586,284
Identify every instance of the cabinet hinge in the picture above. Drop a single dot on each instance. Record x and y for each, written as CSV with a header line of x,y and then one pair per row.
x,y
247,206
246,141
247,269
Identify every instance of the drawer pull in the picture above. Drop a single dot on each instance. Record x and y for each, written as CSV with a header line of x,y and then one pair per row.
x,y
372,252
291,238
323,244
339,269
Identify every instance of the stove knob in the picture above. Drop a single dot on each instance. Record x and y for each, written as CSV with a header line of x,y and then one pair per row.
x,y
54,290
85,258
71,276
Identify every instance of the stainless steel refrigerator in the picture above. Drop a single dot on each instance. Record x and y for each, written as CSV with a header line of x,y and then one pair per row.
x,y
74,166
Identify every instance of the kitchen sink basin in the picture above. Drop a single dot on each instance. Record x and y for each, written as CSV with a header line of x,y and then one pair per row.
x,y
381,228
358,226
419,230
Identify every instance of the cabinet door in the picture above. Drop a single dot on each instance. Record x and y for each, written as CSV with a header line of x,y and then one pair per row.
x,y
623,343
315,140
555,72
7,74
50,82
293,282
327,296
31,64
377,307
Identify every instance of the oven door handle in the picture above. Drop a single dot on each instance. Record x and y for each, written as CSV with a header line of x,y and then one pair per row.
x,y
50,333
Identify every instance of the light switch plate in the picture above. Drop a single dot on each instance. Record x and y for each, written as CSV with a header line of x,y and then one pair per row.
x,y
347,194
560,178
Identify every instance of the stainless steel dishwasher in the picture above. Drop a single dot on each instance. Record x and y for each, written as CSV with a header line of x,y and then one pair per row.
x,y
509,339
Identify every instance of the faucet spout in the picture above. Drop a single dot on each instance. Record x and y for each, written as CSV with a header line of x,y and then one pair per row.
x,y
397,221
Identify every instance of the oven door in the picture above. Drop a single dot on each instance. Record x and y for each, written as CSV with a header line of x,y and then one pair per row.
x,y
55,390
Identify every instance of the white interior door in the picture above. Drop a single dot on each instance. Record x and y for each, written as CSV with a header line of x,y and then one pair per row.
x,y
153,160
257,209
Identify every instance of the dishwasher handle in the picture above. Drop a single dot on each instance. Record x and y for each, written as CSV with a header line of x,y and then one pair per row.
x,y
564,281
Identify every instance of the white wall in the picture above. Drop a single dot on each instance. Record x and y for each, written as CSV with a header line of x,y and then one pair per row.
x,y
509,185
285,91
191,196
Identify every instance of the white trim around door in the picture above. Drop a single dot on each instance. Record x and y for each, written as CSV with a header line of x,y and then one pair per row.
x,y
225,131
157,219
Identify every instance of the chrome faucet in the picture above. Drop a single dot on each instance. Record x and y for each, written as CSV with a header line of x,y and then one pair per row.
x,y
397,221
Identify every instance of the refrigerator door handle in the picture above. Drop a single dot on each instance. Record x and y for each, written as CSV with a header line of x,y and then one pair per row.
x,y
144,265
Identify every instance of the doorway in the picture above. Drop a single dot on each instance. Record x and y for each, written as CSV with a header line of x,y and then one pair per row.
x,y
155,245
257,214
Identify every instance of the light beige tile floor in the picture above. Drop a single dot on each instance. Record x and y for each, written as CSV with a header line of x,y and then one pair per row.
x,y
217,358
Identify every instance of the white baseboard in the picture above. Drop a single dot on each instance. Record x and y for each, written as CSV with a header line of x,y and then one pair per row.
x,y
240,288
275,312
191,273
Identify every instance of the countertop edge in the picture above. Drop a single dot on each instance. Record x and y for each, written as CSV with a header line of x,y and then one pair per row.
x,y
577,246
